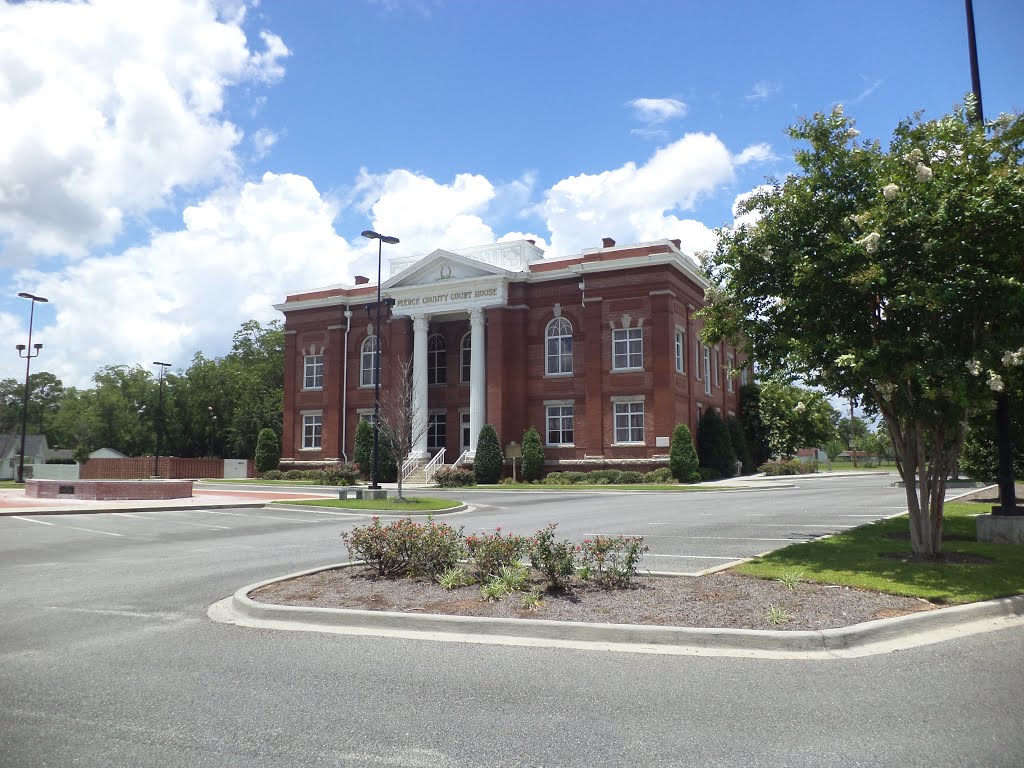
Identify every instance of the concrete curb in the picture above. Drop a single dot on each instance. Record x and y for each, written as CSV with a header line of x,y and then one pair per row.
x,y
868,638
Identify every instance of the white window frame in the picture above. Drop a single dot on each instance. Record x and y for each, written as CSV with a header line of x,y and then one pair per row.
x,y
312,431
558,332
730,363
706,354
743,376
437,359
680,349
632,339
313,372
367,364
561,413
435,418
623,418
718,368
466,358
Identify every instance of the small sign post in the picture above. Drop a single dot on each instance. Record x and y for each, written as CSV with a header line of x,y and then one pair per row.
x,y
513,451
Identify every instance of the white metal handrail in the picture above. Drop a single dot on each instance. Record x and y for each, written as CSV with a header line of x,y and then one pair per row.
x,y
461,458
432,466
409,466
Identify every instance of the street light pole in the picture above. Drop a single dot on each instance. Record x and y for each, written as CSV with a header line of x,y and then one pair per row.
x,y
1004,440
381,239
159,418
26,352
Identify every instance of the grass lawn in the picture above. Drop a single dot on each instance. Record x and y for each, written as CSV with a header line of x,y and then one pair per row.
x,y
847,466
10,484
411,505
858,558
256,481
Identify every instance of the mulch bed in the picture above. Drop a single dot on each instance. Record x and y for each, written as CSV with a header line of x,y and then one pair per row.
x,y
723,600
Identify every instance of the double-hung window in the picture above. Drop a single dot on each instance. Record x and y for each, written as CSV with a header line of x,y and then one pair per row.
x,y
368,362
730,363
707,369
312,430
314,372
560,424
680,351
465,359
437,360
629,422
627,349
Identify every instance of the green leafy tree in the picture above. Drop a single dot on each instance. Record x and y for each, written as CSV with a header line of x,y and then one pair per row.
x,y
887,274
714,448
682,456
268,451
979,459
755,433
363,453
488,460
533,455
739,444
795,418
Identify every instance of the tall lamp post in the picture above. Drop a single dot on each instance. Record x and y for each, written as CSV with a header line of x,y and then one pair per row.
x,y
381,239
159,417
26,352
1004,440
213,442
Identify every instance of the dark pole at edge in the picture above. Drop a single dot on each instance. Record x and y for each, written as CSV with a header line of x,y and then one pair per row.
x,y
159,419
1004,441
28,361
376,380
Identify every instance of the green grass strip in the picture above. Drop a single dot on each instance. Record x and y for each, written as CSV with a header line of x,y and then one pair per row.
x,y
411,504
256,481
863,558
10,484
581,487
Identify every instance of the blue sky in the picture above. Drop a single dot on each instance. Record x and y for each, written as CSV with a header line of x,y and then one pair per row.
x,y
170,170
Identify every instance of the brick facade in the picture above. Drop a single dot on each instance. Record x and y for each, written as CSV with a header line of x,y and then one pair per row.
x,y
171,468
650,290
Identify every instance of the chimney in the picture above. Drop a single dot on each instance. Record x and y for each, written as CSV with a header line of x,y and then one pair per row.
x,y
532,242
361,280
677,243
607,242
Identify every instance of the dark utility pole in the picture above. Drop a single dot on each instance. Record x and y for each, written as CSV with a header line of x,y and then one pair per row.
x,y
159,418
1004,440
26,352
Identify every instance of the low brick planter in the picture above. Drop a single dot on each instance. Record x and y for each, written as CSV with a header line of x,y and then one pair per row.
x,y
108,490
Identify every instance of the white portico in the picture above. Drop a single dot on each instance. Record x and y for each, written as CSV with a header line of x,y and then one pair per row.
x,y
446,285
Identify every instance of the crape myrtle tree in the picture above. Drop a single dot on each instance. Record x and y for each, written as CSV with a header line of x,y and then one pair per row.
x,y
893,275
794,417
401,426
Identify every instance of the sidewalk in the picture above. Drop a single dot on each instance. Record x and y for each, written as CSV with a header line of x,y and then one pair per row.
x,y
13,501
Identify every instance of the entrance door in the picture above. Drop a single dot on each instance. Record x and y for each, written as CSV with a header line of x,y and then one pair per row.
x,y
464,431
436,429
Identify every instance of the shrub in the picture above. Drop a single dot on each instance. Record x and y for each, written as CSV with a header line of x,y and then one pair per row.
x,y
268,450
611,561
682,457
339,474
555,559
739,443
555,478
714,449
272,474
363,453
294,474
659,475
709,473
454,477
533,455
492,552
631,478
488,461
603,476
791,467
406,548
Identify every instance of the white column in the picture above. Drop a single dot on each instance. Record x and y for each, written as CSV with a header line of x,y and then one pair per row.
x,y
419,386
477,377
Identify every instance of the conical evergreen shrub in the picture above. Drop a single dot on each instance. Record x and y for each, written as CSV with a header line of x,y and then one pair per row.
x,y
682,456
488,460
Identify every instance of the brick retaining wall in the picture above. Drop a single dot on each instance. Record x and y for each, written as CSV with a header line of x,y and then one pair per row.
x,y
100,490
141,468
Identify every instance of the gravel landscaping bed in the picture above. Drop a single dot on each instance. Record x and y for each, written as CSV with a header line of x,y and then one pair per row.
x,y
720,600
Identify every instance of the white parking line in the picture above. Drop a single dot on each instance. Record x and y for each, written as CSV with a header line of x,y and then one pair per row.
x,y
69,527
695,557
260,517
172,522
30,520
671,536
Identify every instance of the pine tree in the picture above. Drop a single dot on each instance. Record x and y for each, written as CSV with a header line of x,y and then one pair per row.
x,y
714,448
739,443
363,454
533,455
268,451
488,460
682,456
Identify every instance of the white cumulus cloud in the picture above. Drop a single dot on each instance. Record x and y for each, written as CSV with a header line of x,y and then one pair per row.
x,y
657,110
107,107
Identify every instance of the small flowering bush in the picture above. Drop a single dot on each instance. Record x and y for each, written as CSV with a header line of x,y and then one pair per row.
x,y
555,559
406,548
492,552
272,474
631,478
454,477
338,474
611,562
660,475
776,468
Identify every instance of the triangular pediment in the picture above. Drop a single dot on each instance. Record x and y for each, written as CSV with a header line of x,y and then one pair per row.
x,y
442,266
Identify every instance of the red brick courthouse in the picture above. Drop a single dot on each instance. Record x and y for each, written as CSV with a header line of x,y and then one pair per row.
x,y
598,351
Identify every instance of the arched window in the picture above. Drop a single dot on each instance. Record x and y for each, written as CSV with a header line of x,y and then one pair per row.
x,y
437,360
464,359
368,362
558,347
